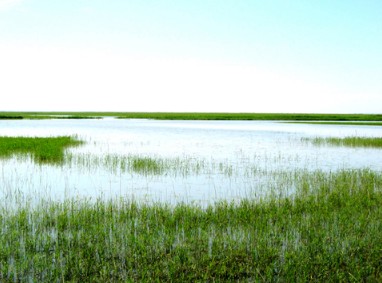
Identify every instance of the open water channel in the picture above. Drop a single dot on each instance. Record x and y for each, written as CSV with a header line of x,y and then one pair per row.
x,y
206,161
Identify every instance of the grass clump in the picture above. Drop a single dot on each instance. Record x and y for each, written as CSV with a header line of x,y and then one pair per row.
x,y
43,149
329,231
146,165
348,141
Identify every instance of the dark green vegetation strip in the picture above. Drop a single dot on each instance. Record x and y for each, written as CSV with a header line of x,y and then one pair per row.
x,y
348,141
45,115
253,116
43,149
196,116
330,231
10,117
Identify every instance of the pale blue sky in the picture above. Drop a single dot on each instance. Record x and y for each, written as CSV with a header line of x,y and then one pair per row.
x,y
202,55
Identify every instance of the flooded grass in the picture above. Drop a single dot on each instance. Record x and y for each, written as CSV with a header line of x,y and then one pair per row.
x,y
309,225
348,141
146,165
43,149
328,231
149,165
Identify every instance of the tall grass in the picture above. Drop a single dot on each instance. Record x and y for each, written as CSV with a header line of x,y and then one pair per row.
x,y
329,231
43,149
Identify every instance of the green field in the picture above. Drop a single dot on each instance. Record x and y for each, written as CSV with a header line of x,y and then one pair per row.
x,y
193,116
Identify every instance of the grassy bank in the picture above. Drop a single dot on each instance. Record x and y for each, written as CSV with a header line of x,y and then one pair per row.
x,y
329,231
43,149
193,116
348,141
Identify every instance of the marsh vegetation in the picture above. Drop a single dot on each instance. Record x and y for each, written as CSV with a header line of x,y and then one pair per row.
x,y
330,230
295,219
43,149
348,141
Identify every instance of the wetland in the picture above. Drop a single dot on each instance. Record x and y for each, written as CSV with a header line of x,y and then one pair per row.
x,y
189,200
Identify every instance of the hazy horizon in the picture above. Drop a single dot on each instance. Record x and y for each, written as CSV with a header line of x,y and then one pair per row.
x,y
191,56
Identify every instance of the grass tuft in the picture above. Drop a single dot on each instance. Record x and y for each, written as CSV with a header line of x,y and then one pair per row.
x,y
43,149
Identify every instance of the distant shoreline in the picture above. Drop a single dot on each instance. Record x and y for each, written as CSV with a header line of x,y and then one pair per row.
x,y
192,116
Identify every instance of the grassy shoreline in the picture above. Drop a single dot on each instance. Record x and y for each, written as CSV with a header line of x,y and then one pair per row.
x,y
192,116
330,231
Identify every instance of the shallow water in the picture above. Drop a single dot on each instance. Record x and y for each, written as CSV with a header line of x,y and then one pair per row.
x,y
239,159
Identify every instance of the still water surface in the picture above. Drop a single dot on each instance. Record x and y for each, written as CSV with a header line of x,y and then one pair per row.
x,y
237,158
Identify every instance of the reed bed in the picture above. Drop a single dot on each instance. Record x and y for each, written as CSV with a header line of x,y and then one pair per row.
x,y
329,230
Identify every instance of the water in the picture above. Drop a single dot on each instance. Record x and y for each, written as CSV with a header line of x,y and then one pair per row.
x,y
238,159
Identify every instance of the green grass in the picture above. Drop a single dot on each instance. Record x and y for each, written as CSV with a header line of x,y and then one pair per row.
x,y
195,116
43,149
45,115
348,141
329,231
10,117
146,165
151,165
252,116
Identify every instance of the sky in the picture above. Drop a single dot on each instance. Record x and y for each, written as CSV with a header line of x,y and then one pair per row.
x,y
296,56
